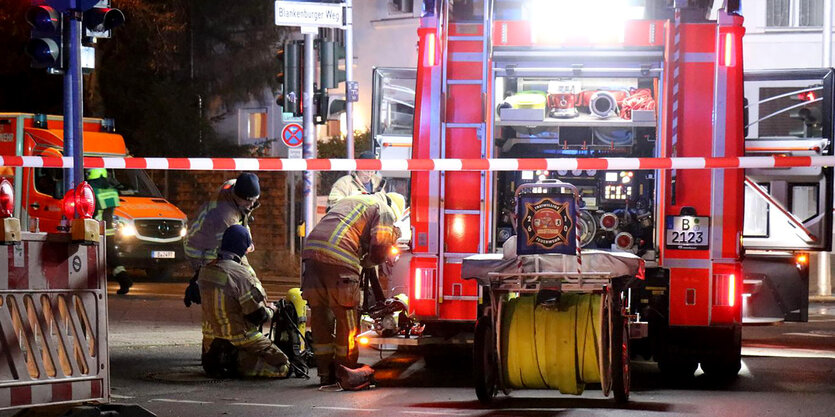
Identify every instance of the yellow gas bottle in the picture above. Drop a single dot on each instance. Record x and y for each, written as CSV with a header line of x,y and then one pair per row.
x,y
553,344
294,295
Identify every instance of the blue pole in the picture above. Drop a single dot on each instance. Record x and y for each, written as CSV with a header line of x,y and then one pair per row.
x,y
69,132
74,69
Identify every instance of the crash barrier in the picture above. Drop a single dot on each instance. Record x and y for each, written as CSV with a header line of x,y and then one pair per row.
x,y
387,165
53,322
552,345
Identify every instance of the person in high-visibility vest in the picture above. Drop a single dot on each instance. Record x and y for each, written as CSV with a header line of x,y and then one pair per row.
x,y
107,199
233,205
234,310
357,232
357,182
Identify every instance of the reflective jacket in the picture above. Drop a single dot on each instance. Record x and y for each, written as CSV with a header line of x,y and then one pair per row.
x,y
352,228
349,185
234,302
206,230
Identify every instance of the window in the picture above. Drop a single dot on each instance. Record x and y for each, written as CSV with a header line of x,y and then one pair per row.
x,y
50,181
256,127
253,125
804,201
756,213
794,13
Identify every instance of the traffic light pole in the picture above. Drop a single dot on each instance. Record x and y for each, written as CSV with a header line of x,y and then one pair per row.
x,y
309,144
73,102
349,76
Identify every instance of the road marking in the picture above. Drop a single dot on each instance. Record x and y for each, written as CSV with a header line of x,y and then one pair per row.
x,y
168,400
435,413
779,352
264,405
348,409
808,334
121,397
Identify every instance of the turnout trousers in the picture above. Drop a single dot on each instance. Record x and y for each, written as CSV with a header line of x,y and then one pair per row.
x,y
333,294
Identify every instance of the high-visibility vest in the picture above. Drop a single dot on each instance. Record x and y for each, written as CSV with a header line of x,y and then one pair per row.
x,y
107,198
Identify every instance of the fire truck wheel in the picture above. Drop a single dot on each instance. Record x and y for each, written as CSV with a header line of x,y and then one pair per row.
x,y
677,369
484,361
724,369
621,371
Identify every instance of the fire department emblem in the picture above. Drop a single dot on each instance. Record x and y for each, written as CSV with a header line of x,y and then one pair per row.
x,y
547,224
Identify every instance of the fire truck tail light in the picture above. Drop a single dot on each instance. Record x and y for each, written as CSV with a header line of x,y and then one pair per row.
x,y
724,290
424,281
429,59
729,56
6,199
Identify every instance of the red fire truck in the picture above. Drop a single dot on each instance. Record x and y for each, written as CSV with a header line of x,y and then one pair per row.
x,y
545,80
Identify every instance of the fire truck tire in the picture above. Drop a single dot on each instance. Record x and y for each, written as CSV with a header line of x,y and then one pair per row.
x,y
620,362
726,369
677,369
485,371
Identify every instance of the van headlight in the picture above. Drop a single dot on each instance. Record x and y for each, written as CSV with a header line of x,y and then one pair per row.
x,y
183,231
124,227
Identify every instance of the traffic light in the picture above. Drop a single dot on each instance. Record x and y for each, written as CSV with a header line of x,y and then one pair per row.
x,y
289,76
320,102
338,55
46,42
99,20
330,53
809,114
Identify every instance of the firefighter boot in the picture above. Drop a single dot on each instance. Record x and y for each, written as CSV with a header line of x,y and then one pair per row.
x,y
124,281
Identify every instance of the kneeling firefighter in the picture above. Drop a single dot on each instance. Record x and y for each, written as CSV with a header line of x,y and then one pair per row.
x,y
234,307
357,232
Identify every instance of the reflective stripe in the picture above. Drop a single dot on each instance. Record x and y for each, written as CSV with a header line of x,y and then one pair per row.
x,y
322,349
336,251
348,221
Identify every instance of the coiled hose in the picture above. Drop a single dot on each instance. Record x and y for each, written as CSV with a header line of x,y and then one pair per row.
x,y
551,345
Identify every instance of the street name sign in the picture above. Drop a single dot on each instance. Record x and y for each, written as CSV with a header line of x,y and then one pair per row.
x,y
297,13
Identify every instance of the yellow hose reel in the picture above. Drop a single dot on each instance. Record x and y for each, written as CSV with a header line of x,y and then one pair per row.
x,y
551,345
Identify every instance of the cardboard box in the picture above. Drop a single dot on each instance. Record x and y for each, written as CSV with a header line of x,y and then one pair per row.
x,y
643,115
524,115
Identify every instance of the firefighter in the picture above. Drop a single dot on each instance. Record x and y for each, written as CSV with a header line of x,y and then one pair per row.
x,y
357,232
233,205
107,199
235,308
357,182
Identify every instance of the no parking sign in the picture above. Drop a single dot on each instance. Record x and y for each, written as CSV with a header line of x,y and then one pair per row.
x,y
292,135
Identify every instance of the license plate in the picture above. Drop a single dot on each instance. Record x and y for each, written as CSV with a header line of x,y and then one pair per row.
x,y
688,232
162,254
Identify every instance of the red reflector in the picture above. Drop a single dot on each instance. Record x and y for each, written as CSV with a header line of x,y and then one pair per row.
x,y
6,198
68,204
85,200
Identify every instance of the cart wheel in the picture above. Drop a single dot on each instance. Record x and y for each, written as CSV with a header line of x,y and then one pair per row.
x,y
484,360
620,351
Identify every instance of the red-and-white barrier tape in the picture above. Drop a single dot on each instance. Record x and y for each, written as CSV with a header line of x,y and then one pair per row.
x,y
386,165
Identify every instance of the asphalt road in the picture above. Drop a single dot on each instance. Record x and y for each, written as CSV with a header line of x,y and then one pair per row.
x,y
789,370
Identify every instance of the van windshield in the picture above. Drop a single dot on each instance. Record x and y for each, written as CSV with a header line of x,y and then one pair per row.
x,y
134,183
